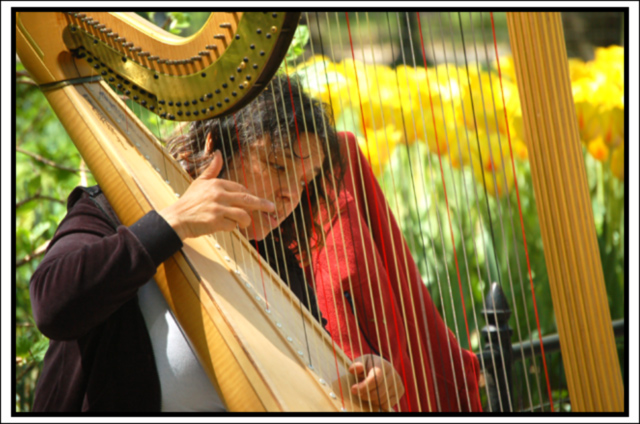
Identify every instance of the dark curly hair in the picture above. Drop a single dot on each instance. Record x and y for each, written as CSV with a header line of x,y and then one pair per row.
x,y
273,114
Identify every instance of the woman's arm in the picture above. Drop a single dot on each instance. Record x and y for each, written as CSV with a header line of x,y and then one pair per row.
x,y
90,270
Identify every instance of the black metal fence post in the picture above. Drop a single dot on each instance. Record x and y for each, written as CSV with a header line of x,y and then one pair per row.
x,y
496,334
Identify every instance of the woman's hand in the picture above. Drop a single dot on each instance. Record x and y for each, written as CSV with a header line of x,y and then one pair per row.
x,y
379,382
211,204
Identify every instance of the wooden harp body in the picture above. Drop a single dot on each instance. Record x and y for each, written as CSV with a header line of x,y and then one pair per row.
x,y
254,354
250,353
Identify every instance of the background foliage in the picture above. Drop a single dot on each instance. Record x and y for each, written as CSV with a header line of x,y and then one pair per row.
x,y
48,167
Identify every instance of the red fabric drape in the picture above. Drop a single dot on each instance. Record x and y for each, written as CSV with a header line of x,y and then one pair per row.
x,y
351,277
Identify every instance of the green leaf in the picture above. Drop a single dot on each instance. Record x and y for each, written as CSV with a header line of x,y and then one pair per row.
x,y
34,185
300,39
23,344
39,349
39,230
179,21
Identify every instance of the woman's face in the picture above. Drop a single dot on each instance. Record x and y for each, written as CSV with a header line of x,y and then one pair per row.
x,y
276,173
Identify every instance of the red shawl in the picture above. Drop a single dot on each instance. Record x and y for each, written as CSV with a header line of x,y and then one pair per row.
x,y
355,270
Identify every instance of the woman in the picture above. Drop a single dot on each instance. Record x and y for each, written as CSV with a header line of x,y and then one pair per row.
x,y
115,345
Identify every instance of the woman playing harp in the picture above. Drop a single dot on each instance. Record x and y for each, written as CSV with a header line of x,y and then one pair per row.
x,y
114,343
109,353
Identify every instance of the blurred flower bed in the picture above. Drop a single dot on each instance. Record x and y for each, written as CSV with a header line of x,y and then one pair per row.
x,y
437,107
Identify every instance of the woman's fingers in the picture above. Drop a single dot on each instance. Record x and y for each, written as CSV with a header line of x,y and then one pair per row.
x,y
238,215
214,167
380,384
234,194
373,382
249,202
357,368
232,186
228,224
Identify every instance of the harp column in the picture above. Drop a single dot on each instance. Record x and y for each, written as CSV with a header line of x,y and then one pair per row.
x,y
564,208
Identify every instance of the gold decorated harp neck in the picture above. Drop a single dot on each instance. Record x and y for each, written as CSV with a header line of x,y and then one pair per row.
x,y
212,73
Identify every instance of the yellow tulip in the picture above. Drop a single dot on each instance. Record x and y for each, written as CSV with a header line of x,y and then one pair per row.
x,y
516,129
600,111
381,107
436,99
586,112
483,109
434,136
610,61
499,188
598,149
578,69
507,67
617,162
493,149
378,145
322,62
520,150
324,82
458,148
611,54
612,125
495,188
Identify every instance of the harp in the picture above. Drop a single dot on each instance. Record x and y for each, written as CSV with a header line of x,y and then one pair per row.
x,y
255,354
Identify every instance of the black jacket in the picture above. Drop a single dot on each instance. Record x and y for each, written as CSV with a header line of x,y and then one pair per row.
x,y
84,298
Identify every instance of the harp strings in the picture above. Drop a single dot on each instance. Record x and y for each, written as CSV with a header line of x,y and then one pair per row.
x,y
341,225
363,211
377,212
393,244
456,195
466,197
244,179
493,160
272,239
513,232
444,185
296,185
406,127
330,211
240,158
320,363
415,202
366,265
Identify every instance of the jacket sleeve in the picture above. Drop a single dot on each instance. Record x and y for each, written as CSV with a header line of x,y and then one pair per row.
x,y
90,269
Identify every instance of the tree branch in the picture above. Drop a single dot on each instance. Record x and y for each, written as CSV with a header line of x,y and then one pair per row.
x,y
167,22
27,82
25,324
47,161
38,197
23,74
26,370
24,77
31,256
